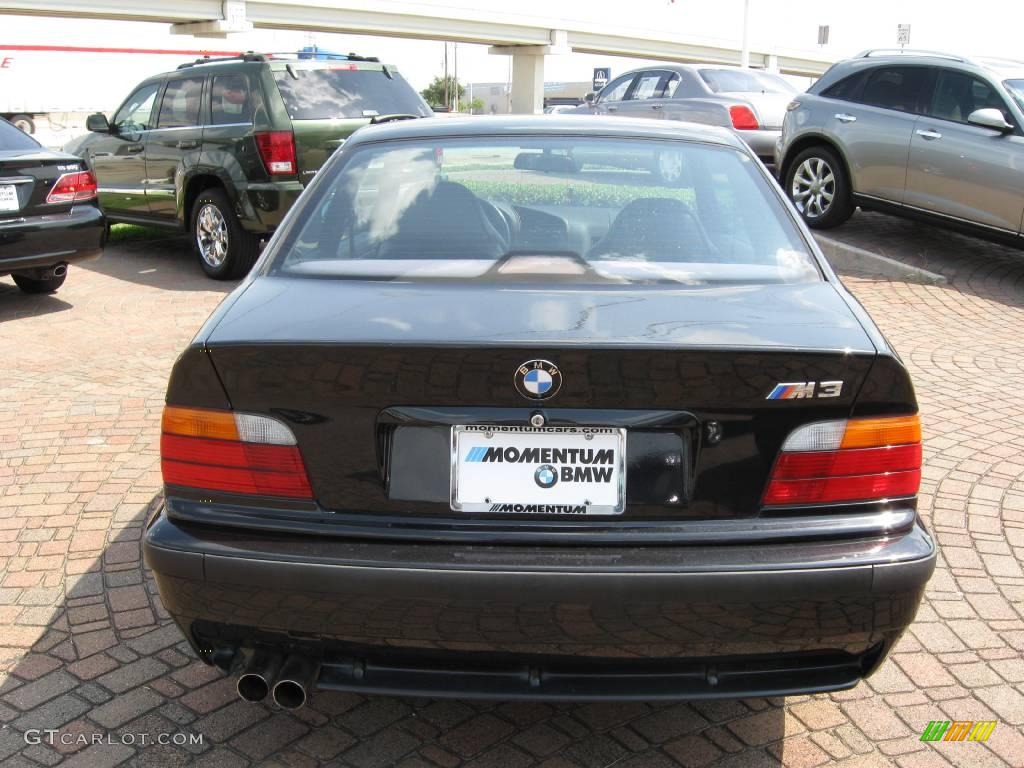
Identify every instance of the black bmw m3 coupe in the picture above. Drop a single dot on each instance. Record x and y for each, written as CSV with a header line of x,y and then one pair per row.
x,y
500,414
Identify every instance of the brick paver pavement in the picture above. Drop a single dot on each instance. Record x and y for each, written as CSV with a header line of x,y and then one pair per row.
x,y
86,649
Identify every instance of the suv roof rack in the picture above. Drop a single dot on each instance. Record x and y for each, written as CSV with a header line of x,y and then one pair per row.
x,y
247,56
312,54
911,52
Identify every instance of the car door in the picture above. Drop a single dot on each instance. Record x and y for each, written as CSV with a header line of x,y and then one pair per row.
x,y
872,121
966,171
644,98
175,143
118,158
609,100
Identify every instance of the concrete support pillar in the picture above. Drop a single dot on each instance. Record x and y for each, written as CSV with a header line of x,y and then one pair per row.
x,y
527,83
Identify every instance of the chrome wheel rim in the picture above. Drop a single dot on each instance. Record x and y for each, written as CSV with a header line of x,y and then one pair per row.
x,y
814,187
670,166
23,125
212,235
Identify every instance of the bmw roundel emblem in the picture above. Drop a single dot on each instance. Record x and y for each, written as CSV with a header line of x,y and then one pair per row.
x,y
546,476
538,379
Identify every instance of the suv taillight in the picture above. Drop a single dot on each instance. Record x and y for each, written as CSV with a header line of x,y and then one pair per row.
x,y
231,452
743,118
73,188
277,149
851,460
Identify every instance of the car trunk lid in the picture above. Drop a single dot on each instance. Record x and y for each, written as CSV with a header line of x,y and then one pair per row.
x,y
350,364
26,178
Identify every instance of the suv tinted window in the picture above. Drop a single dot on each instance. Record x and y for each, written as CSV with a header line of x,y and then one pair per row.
x,y
957,94
137,113
846,89
230,100
182,100
616,89
346,91
12,138
901,88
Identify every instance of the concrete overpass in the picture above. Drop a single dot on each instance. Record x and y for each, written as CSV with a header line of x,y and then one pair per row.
x,y
526,38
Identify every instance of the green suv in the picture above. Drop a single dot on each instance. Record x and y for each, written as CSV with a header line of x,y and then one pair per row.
x,y
221,148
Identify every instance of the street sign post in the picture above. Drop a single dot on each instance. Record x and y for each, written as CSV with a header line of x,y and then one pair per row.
x,y
902,35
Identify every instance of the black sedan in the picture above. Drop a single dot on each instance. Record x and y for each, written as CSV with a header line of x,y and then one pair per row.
x,y
48,212
486,421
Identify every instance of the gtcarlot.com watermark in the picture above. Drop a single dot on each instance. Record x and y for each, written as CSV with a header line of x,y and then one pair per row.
x,y
63,738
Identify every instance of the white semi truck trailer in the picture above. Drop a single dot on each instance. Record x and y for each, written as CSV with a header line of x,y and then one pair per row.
x,y
58,81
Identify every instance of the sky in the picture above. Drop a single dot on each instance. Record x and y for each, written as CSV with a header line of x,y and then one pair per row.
x,y
984,27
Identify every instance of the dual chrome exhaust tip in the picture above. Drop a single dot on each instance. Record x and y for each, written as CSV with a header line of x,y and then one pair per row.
x,y
288,680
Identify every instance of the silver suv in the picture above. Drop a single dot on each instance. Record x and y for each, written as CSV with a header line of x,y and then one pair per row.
x,y
918,134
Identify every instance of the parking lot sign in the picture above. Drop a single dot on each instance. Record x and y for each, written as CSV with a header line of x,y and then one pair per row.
x,y
902,34
823,34
601,77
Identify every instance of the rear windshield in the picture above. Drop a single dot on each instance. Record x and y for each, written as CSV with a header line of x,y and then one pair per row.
x,y
737,81
12,138
546,209
346,91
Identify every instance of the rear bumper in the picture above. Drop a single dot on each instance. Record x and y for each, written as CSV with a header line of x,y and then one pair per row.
x,y
262,206
32,242
448,620
762,142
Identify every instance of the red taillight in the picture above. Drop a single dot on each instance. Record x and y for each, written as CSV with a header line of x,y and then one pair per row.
x,y
73,188
277,149
233,453
743,118
862,460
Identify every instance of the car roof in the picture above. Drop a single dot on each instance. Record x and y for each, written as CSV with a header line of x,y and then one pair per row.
x,y
540,125
1001,68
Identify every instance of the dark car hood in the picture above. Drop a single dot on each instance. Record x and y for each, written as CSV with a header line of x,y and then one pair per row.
x,y
288,310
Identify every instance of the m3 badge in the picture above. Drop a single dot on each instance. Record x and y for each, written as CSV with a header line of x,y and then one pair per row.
x,y
798,390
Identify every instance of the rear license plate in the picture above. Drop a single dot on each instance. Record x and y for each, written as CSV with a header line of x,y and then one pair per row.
x,y
9,198
538,470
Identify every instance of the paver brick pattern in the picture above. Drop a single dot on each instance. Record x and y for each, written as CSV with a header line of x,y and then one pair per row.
x,y
86,648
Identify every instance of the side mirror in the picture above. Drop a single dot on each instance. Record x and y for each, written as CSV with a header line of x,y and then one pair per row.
x,y
590,97
97,123
990,118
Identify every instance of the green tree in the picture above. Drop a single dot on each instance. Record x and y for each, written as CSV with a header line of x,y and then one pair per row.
x,y
435,92
473,106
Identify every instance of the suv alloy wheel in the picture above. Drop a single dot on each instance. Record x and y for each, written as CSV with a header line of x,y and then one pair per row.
x,y
226,250
816,183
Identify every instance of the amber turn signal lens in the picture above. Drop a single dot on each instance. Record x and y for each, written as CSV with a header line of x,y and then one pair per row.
x,y
198,422
880,432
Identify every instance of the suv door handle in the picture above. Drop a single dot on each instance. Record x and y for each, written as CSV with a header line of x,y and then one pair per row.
x,y
188,144
134,149
843,117
612,108
928,134
657,106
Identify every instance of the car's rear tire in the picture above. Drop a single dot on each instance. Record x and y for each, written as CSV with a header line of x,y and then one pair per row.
x,y
226,250
37,285
817,184
23,123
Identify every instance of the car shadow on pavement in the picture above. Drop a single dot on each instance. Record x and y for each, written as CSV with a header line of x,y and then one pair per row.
x,y
15,304
167,263
110,676
972,266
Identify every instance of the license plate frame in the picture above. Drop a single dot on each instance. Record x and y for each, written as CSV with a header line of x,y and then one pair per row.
x,y
518,487
9,202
